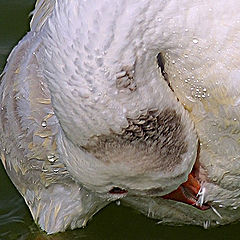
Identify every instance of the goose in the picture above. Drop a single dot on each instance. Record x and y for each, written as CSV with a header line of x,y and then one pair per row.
x,y
131,100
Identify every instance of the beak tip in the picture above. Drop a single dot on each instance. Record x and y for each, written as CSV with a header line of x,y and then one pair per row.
x,y
188,193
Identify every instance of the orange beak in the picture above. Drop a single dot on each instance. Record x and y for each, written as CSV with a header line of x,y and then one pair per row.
x,y
187,193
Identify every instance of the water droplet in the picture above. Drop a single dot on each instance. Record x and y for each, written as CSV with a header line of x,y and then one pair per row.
x,y
96,99
173,61
220,205
206,224
195,40
51,158
44,124
185,55
118,202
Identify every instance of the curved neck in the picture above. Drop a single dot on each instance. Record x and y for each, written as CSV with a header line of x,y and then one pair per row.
x,y
89,42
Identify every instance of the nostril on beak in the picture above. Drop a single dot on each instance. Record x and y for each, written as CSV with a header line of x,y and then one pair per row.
x,y
117,190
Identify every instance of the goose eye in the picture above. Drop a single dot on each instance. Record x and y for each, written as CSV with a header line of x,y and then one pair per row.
x,y
117,190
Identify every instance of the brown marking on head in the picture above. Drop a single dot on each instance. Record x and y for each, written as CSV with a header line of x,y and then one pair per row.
x,y
126,81
152,142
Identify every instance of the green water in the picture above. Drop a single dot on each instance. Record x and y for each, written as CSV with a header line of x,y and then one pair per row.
x,y
114,222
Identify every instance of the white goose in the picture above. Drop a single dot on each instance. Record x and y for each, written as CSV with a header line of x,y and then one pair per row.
x,y
88,117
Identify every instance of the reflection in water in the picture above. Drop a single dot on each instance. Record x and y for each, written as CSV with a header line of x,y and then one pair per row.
x,y
114,222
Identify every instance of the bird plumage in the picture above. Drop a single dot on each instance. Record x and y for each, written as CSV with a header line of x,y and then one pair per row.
x,y
88,117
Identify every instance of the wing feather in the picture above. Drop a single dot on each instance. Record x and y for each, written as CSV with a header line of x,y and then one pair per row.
x,y
43,9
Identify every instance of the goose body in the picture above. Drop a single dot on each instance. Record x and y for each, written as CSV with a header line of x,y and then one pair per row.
x,y
131,100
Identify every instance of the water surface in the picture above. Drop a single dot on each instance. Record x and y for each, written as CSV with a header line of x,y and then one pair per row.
x,y
114,222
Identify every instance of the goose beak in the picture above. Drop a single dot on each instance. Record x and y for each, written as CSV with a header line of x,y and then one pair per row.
x,y
187,193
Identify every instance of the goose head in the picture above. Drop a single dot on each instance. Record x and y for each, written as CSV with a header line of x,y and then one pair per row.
x,y
119,116
123,129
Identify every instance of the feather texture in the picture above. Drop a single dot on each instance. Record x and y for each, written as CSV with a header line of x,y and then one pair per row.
x,y
43,9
